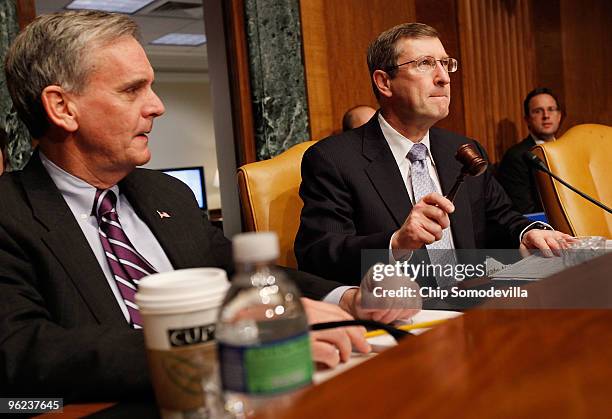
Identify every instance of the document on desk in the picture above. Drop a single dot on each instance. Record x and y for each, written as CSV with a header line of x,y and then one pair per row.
x,y
379,343
422,316
531,268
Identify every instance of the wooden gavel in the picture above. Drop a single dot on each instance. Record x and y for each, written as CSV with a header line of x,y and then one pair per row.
x,y
473,165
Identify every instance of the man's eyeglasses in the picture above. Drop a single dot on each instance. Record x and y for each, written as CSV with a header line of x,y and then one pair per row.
x,y
540,111
428,64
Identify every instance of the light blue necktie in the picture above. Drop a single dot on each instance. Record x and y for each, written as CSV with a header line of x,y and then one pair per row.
x,y
422,184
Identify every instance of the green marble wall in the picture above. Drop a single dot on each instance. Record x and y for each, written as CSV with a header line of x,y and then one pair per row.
x,y
278,86
19,147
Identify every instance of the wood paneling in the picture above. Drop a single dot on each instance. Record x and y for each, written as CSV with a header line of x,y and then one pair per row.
x,y
573,59
428,11
497,51
546,18
318,85
586,38
239,81
26,12
335,36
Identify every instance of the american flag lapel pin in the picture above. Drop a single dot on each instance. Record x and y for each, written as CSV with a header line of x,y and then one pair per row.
x,y
163,214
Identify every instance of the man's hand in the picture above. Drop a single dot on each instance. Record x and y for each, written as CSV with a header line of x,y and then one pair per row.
x,y
332,346
425,223
351,302
547,241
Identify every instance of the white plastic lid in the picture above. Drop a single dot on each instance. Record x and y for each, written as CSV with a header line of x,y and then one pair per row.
x,y
182,290
255,247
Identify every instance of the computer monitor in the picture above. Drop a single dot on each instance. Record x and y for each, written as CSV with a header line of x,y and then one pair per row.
x,y
192,177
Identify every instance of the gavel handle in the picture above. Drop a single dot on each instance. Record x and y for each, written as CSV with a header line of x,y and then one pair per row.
x,y
451,195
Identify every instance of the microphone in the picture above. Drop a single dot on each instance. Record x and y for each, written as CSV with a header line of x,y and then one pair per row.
x,y
535,162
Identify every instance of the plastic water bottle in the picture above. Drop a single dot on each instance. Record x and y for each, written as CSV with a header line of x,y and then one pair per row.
x,y
262,331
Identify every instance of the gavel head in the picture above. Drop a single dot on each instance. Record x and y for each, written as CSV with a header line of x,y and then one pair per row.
x,y
472,161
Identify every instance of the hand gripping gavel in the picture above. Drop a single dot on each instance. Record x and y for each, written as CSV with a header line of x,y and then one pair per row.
x,y
473,165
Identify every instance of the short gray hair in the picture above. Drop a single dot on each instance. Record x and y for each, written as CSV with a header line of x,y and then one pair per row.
x,y
56,49
383,51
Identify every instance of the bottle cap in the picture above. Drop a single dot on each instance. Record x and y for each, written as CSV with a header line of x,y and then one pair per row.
x,y
255,247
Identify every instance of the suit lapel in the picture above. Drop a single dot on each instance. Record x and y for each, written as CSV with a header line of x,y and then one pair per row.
x,y
161,214
384,173
66,241
443,152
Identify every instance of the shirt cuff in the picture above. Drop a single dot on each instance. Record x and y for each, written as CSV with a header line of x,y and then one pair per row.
x,y
405,254
336,294
530,227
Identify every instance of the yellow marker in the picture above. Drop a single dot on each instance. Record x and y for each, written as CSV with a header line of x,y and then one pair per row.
x,y
422,325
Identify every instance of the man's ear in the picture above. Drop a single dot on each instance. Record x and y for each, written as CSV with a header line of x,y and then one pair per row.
x,y
59,108
383,82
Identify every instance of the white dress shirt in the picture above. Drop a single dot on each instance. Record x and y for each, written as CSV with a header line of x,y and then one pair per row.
x,y
80,195
538,141
400,146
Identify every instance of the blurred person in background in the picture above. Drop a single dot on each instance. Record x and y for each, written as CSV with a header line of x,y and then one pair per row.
x,y
543,115
357,116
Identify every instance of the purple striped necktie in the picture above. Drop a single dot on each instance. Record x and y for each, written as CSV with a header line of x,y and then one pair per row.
x,y
126,264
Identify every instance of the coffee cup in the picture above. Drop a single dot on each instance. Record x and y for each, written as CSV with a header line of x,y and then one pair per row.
x,y
179,310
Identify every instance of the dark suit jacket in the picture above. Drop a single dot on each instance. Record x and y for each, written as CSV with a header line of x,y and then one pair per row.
x,y
62,332
355,198
518,178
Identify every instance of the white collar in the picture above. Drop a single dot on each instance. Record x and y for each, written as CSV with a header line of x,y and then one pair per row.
x,y
400,145
539,141
76,191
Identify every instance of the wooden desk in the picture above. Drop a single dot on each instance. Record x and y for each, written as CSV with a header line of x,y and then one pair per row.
x,y
489,363
81,410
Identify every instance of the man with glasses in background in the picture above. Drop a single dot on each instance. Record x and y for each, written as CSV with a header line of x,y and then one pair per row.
x,y
381,186
543,117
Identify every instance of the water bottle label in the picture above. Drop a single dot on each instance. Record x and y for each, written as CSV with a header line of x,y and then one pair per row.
x,y
269,368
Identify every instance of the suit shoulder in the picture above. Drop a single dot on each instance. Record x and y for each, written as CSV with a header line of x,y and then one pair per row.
x,y
11,187
9,180
450,137
338,143
157,180
517,150
151,175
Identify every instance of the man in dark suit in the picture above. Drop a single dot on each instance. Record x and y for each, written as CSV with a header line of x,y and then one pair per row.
x,y
543,117
68,324
380,186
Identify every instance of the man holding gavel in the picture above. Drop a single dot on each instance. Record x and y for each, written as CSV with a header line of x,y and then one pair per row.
x,y
382,185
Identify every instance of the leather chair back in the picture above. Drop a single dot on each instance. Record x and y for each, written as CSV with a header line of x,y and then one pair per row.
x,y
583,158
269,193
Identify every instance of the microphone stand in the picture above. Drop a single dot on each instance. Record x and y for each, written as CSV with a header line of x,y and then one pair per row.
x,y
538,164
